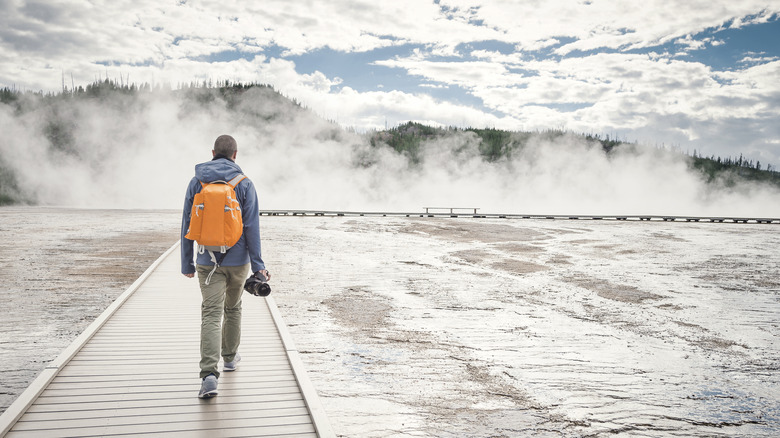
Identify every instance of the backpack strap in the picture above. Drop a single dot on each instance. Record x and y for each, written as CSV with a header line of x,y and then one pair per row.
x,y
234,182
217,261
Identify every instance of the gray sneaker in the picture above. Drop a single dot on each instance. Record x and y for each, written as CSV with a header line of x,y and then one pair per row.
x,y
208,388
232,365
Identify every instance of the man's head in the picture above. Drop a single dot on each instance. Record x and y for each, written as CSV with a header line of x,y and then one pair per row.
x,y
226,146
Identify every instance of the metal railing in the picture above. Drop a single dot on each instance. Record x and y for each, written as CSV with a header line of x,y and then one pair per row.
x,y
451,209
456,212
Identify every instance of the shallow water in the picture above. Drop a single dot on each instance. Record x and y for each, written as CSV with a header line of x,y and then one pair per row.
x,y
476,327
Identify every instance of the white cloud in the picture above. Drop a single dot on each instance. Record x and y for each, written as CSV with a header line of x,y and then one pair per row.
x,y
609,23
171,42
371,110
758,59
440,86
693,44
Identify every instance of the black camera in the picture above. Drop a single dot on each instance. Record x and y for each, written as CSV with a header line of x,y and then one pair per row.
x,y
257,285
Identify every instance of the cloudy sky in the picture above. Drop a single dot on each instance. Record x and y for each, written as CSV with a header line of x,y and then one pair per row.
x,y
693,74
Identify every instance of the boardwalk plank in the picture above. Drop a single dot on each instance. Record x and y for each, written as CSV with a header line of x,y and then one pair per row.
x,y
190,400
204,407
82,384
254,374
76,398
160,362
143,388
191,370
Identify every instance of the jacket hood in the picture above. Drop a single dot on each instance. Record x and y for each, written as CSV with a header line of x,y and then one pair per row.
x,y
220,169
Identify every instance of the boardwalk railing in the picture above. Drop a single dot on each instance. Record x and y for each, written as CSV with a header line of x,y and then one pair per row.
x,y
134,371
472,212
453,210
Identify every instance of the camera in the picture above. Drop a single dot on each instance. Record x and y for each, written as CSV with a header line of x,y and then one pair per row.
x,y
257,285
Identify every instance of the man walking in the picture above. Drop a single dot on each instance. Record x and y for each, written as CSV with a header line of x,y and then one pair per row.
x,y
222,281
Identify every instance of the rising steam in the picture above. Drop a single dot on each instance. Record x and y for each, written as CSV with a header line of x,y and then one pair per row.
x,y
139,150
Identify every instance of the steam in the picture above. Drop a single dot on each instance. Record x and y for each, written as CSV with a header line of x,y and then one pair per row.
x,y
139,152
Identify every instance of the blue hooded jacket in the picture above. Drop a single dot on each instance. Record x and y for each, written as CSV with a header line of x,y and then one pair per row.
x,y
247,249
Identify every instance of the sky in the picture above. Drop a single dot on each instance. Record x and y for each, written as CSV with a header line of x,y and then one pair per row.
x,y
694,75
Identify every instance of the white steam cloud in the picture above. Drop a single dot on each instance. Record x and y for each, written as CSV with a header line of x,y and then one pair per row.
x,y
139,152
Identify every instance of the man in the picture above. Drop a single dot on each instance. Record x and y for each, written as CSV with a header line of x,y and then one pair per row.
x,y
222,287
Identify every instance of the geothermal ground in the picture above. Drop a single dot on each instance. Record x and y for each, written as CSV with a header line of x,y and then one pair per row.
x,y
459,327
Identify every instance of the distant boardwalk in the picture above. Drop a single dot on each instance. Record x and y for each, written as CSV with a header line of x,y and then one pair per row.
x,y
134,371
454,212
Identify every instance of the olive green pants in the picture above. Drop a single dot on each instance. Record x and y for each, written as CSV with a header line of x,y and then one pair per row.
x,y
221,299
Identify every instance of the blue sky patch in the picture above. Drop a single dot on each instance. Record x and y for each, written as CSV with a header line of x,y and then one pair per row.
x,y
754,41
357,69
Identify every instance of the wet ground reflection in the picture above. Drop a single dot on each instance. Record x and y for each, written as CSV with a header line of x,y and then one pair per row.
x,y
419,327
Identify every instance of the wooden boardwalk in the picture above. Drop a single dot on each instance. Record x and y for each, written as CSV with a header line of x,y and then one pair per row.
x,y
134,372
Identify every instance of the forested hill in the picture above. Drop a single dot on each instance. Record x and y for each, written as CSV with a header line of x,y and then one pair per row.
x,y
61,124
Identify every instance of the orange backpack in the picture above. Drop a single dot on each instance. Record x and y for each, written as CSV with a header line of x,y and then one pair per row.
x,y
215,218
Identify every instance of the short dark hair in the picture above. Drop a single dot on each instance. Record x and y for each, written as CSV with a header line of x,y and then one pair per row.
x,y
225,145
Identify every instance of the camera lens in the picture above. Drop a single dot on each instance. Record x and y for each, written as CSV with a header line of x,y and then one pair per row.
x,y
257,286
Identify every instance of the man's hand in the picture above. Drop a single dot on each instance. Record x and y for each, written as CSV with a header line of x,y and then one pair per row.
x,y
189,275
265,274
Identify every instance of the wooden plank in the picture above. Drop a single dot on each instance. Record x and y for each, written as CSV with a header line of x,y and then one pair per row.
x,y
173,362
186,356
161,410
192,370
98,400
108,350
157,382
130,388
154,368
252,374
183,339
183,327
189,400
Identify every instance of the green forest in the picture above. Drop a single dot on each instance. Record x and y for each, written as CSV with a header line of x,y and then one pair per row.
x,y
407,139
